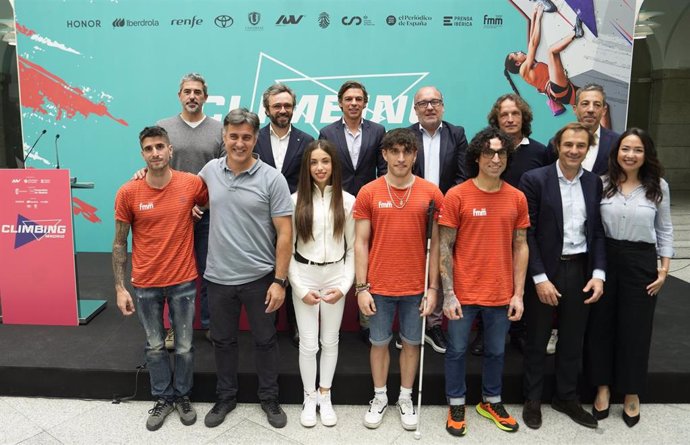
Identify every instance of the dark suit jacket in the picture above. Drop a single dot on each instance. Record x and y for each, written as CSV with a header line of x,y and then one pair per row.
x,y
545,235
452,161
601,164
293,156
370,163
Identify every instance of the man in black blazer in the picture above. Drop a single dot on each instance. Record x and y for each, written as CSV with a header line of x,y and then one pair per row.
x,y
591,108
358,139
280,144
441,160
567,262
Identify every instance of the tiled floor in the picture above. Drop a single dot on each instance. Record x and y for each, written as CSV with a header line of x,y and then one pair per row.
x,y
51,421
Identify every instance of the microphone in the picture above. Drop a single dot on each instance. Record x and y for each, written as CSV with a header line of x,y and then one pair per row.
x,y
57,156
33,146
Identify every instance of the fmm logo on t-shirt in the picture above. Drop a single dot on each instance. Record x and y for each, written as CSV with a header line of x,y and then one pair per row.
x,y
478,212
385,205
148,206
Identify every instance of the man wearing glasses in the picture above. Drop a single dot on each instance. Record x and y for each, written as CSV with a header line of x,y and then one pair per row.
x,y
479,280
441,161
281,145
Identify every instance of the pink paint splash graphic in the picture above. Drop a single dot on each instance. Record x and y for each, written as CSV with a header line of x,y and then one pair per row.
x,y
39,84
85,209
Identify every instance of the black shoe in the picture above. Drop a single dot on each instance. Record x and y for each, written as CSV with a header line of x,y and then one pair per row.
x,y
548,5
435,338
574,410
600,415
518,342
579,30
477,346
274,413
294,335
217,414
631,421
364,335
531,414
398,342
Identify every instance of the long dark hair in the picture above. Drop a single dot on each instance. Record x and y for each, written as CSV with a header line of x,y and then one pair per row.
x,y
509,66
650,172
304,211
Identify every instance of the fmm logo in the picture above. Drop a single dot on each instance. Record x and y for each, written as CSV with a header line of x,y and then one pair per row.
x,y
27,230
224,21
83,23
479,212
147,206
254,18
289,19
194,21
385,205
493,22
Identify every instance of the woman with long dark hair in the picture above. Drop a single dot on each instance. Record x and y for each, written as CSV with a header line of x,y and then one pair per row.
x,y
321,272
636,214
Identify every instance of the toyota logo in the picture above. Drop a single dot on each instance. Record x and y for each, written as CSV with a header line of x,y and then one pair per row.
x,y
223,21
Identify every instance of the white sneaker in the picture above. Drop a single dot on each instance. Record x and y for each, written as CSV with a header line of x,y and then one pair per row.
x,y
374,415
328,417
408,415
553,340
308,416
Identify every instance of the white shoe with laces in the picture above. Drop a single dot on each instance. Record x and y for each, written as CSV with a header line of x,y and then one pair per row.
x,y
308,416
374,415
553,341
408,415
328,416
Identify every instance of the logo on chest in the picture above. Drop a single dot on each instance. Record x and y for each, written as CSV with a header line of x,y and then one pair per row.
x,y
479,212
146,206
385,205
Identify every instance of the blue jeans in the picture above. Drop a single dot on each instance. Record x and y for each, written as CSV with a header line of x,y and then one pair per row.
x,y
149,305
201,252
496,325
381,323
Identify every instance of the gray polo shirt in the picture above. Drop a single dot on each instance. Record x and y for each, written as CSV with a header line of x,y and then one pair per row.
x,y
242,238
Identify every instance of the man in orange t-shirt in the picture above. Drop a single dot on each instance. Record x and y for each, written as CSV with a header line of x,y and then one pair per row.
x,y
390,260
159,212
484,255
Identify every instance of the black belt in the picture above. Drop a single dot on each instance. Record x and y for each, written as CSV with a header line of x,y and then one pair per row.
x,y
573,257
300,259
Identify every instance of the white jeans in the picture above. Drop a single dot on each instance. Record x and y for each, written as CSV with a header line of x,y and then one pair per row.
x,y
310,318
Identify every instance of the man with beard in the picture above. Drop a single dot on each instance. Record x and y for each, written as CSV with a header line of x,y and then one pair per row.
x,y
196,139
281,145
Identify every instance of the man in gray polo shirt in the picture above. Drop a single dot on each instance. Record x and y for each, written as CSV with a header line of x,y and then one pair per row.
x,y
250,243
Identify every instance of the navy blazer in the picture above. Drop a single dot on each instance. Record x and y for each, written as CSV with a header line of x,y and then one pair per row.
x,y
370,163
452,155
607,139
293,156
545,235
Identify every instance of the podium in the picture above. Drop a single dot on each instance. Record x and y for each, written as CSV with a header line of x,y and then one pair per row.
x,y
38,277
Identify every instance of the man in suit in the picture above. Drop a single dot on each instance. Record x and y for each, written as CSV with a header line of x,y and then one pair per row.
x,y
590,108
440,160
359,146
281,145
566,263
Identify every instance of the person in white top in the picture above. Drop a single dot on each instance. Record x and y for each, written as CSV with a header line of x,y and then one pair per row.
x,y
321,272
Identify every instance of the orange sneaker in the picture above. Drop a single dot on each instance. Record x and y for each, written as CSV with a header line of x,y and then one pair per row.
x,y
499,415
455,424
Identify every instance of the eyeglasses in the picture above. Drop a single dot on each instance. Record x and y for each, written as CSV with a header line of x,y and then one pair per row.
x,y
425,103
489,153
278,107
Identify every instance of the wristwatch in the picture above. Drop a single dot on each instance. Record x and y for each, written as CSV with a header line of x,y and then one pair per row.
x,y
282,281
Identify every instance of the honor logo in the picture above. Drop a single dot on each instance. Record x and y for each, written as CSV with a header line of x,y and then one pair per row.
x,y
385,205
478,212
148,206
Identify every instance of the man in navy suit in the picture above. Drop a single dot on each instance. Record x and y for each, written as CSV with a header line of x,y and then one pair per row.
x,y
359,145
281,145
441,160
567,260
590,108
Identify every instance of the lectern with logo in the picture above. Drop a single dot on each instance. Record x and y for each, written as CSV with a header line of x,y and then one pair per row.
x,y
38,280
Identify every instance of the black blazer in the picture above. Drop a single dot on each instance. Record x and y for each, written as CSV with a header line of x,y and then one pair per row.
x,y
601,164
452,161
545,235
370,163
293,156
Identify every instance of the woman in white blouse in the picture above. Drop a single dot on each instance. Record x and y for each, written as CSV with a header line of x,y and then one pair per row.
x,y
321,272
636,214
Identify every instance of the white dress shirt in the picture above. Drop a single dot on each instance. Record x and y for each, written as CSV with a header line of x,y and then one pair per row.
x,y
432,154
279,146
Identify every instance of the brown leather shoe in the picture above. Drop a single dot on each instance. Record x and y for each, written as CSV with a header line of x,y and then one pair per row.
x,y
531,414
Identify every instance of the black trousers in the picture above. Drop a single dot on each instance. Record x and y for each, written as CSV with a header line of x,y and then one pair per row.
x,y
572,320
225,303
620,324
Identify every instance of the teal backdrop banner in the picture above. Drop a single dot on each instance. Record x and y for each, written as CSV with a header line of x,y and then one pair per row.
x,y
95,72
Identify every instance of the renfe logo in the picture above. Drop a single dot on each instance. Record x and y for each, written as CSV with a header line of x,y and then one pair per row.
x,y
27,230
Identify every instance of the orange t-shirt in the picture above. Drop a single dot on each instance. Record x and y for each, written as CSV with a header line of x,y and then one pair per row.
x,y
541,73
483,255
397,243
162,228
